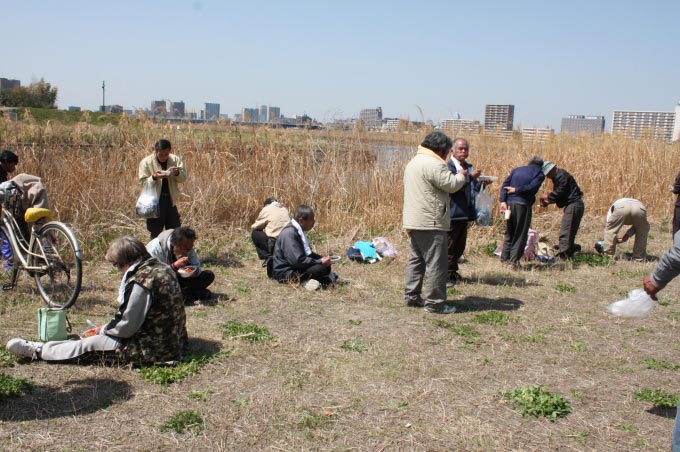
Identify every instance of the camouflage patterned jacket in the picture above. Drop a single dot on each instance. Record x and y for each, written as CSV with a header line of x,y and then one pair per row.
x,y
160,335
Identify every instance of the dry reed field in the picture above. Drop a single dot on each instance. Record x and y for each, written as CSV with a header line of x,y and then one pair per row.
x,y
350,367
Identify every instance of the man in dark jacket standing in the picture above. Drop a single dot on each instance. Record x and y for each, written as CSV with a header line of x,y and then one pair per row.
x,y
565,194
294,260
462,204
518,194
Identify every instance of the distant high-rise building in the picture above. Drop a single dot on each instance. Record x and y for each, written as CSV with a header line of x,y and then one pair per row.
x,y
537,135
177,110
371,118
676,125
212,112
8,84
460,127
251,115
578,124
499,117
263,113
644,124
159,108
73,108
274,113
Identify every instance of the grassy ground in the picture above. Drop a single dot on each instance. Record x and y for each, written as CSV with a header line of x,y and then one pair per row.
x,y
352,368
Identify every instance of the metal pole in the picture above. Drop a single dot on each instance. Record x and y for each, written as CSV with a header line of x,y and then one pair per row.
x,y
103,96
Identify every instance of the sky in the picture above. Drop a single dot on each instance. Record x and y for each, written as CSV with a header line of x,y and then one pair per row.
x,y
423,60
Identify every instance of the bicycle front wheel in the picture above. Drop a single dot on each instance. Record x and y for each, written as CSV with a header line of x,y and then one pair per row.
x,y
59,255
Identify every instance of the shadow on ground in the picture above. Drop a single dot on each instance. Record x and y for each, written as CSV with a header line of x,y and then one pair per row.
x,y
472,303
500,279
72,398
663,412
223,260
197,345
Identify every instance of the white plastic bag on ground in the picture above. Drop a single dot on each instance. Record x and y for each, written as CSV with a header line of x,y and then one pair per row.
x,y
638,304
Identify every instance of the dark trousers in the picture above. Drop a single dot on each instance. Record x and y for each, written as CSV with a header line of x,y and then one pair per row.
x,y
196,288
316,271
457,237
264,245
167,219
571,220
676,219
516,231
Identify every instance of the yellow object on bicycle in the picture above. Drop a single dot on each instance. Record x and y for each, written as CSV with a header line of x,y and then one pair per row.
x,y
34,214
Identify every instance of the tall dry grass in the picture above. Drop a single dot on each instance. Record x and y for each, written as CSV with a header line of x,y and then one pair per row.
x,y
91,172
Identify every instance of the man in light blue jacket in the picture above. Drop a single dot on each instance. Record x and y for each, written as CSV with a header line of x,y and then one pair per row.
x,y
175,247
426,218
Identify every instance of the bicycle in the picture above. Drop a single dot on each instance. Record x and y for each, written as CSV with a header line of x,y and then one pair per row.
x,y
51,256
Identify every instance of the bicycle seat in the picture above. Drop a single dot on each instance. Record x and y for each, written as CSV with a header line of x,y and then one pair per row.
x,y
34,214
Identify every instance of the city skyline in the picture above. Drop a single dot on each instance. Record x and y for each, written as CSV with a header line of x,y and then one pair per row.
x,y
333,60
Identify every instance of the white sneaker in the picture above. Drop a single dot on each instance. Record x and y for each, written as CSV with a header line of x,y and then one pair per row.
x,y
22,347
311,284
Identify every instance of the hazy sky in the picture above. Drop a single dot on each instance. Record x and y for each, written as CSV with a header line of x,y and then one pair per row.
x,y
331,59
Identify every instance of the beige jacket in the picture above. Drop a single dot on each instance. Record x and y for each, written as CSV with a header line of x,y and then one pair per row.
x,y
427,184
272,219
148,167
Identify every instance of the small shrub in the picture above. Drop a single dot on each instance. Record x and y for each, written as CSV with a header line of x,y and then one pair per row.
x,y
245,331
312,420
165,375
355,322
488,249
654,364
201,396
186,420
537,401
355,346
495,318
628,428
470,333
13,387
659,398
565,288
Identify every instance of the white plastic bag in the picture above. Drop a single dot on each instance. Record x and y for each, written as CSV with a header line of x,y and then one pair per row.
x,y
638,304
483,203
147,203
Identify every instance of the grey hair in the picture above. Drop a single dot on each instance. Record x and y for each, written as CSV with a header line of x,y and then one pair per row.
x,y
126,251
303,211
437,141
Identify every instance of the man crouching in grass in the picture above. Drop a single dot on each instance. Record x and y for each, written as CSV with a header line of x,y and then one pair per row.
x,y
149,327
426,218
294,260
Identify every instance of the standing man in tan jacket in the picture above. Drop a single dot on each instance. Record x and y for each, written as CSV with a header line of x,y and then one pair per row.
x,y
164,170
426,218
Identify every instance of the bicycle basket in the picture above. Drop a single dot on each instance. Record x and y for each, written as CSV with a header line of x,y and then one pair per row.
x,y
10,197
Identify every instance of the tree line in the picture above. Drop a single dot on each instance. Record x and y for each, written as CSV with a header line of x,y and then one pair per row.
x,y
36,95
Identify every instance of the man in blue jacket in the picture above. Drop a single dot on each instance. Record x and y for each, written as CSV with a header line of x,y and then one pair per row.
x,y
462,204
518,194
294,260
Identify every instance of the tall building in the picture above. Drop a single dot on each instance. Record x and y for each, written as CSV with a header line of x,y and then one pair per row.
x,y
8,84
676,125
177,110
537,135
645,124
159,108
457,127
274,113
371,118
499,117
212,112
251,115
263,113
578,124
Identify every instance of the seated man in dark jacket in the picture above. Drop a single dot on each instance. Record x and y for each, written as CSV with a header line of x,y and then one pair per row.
x,y
566,193
294,260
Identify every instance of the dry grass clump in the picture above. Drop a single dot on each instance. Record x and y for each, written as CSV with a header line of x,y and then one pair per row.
x,y
352,179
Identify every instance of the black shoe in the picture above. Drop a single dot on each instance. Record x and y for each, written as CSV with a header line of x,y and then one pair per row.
x,y
455,277
440,308
413,303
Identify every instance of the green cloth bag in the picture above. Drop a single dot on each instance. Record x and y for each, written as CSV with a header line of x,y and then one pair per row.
x,y
52,325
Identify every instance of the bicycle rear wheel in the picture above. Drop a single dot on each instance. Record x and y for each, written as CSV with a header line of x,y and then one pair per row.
x,y
60,279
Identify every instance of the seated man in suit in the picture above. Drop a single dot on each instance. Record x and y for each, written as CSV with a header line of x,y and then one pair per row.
x,y
294,260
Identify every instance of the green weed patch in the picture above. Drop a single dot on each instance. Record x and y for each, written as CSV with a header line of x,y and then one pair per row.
x,y
165,375
538,401
654,364
592,260
658,397
354,346
182,421
13,387
565,288
246,332
495,318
